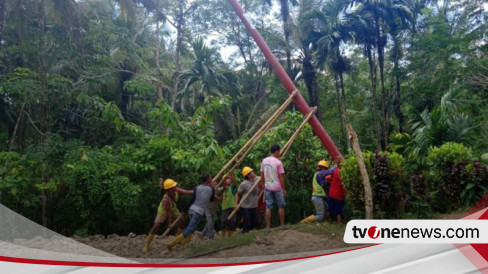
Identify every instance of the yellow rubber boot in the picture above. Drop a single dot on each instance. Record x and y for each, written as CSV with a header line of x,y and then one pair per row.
x,y
175,241
224,231
229,233
310,219
149,238
187,241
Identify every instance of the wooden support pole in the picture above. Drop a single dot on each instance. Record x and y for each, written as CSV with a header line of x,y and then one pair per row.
x,y
242,200
263,128
368,193
287,146
285,150
172,225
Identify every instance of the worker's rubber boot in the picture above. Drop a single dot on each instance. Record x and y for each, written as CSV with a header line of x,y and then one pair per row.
x,y
186,242
229,233
310,219
180,230
175,241
149,238
224,231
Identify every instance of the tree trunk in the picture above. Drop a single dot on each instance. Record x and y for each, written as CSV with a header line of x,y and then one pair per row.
x,y
311,80
339,109
368,193
397,107
381,61
372,73
380,49
44,91
19,62
286,30
2,19
179,45
159,86
344,104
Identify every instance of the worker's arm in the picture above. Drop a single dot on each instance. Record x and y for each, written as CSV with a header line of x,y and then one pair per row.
x,y
219,193
182,191
282,181
261,180
237,197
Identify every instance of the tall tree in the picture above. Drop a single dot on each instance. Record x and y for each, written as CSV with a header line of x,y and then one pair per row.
x,y
385,14
329,32
203,79
361,23
308,67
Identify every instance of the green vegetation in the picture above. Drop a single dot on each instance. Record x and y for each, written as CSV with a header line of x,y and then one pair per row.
x,y
100,98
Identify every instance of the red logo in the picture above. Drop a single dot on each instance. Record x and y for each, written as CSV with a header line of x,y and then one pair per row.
x,y
373,232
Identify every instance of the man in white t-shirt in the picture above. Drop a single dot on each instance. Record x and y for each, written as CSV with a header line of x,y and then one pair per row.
x,y
272,176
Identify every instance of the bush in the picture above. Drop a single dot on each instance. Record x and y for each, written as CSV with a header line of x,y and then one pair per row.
x,y
447,174
387,176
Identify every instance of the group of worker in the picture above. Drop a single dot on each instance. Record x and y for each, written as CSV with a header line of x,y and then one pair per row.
x,y
260,195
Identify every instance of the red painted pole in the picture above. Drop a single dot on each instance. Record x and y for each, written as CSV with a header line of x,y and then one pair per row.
x,y
288,84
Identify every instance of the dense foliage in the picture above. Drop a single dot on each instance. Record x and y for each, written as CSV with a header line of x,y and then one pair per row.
x,y
100,98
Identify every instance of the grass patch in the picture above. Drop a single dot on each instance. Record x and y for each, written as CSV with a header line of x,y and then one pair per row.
x,y
326,229
238,239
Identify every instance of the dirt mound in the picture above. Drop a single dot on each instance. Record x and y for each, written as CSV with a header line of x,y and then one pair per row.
x,y
277,242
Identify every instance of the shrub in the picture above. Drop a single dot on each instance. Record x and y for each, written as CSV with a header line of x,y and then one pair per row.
x,y
447,173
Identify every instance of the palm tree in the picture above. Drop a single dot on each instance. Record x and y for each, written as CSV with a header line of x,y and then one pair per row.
x,y
308,68
386,14
445,123
287,30
361,23
203,78
329,31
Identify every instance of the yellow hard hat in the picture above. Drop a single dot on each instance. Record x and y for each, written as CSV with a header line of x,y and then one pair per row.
x,y
323,163
246,170
169,183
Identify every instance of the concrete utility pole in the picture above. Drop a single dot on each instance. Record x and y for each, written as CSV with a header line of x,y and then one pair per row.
x,y
288,84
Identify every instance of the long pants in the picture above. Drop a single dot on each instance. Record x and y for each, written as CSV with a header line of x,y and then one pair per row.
x,y
209,230
250,216
194,220
228,224
321,207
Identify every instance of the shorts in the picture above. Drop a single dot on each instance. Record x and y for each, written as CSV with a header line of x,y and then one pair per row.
x,y
160,218
336,206
277,196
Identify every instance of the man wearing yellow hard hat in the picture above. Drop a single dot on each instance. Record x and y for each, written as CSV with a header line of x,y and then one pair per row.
x,y
249,207
320,190
167,209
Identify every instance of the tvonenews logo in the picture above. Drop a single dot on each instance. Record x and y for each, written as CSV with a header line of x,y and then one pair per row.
x,y
416,231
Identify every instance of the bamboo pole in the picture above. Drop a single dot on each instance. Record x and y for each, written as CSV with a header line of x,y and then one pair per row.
x,y
171,225
285,150
294,136
263,127
257,136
